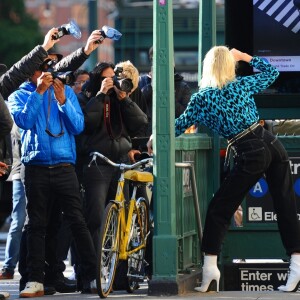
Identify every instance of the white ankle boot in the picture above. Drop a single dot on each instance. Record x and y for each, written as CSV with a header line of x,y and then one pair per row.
x,y
294,275
210,273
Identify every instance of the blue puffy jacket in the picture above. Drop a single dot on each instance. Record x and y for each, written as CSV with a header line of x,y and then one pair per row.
x,y
30,111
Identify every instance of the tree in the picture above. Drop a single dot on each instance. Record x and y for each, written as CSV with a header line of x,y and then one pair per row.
x,y
19,32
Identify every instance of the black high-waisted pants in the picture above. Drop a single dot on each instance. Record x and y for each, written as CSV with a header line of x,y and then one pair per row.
x,y
256,154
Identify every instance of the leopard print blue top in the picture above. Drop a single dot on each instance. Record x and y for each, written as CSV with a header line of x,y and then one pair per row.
x,y
232,109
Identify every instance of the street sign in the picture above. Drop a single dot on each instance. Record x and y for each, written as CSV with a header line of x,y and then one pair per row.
x,y
259,205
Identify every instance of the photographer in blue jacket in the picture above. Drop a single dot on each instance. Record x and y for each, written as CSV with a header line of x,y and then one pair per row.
x,y
49,113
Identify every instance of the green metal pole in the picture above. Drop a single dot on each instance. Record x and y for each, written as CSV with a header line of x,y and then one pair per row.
x,y
207,29
165,241
207,39
93,25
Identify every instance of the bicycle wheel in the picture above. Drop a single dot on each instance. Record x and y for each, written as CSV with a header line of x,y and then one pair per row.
x,y
108,250
139,231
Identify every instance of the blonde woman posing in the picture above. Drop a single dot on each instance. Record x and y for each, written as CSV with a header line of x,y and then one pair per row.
x,y
226,105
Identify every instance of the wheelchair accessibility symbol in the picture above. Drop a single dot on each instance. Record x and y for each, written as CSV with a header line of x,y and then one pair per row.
x,y
255,213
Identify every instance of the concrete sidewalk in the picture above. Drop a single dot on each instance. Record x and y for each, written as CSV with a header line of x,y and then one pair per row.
x,y
11,286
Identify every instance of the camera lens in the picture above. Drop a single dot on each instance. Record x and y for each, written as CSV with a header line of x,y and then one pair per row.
x,y
126,85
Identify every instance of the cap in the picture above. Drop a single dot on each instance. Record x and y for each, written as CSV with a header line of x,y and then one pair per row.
x,y
52,52
3,69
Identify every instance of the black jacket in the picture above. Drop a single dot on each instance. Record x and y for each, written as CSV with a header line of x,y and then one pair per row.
x,y
182,97
72,61
9,82
6,121
21,71
25,68
109,135
6,124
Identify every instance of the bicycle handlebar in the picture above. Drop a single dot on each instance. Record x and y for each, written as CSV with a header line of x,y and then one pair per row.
x,y
121,165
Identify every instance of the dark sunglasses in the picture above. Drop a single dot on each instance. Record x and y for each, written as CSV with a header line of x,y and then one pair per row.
x,y
48,63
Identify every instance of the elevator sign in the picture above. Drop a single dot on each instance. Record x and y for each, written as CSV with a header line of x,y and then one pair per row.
x,y
259,205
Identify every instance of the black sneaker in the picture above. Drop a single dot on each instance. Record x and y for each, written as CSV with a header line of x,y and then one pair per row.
x,y
65,285
49,290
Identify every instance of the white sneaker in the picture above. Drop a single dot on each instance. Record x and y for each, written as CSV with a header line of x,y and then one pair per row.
x,y
32,289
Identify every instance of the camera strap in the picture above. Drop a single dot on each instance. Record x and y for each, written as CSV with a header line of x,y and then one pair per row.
x,y
48,118
107,113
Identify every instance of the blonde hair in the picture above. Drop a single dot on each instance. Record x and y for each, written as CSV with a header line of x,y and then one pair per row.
x,y
218,68
130,72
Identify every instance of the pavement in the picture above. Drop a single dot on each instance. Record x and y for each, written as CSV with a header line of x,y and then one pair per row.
x,y
12,286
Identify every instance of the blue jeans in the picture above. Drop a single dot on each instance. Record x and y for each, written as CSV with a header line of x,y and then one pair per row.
x,y
257,154
18,216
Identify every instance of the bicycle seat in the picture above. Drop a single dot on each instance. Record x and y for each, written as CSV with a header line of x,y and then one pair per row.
x,y
139,176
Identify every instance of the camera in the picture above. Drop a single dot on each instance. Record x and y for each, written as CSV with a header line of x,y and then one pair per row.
x,y
110,33
67,78
123,84
68,29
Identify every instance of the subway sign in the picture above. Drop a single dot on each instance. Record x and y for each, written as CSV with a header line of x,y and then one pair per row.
x,y
262,277
255,277
259,204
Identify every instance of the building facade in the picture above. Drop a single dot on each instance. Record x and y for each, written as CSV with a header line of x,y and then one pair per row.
x,y
134,19
54,13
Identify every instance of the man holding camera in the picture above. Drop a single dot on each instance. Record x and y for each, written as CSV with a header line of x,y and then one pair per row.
x,y
49,113
107,133
9,81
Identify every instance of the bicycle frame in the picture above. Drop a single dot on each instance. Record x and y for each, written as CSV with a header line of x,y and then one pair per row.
x,y
125,222
123,231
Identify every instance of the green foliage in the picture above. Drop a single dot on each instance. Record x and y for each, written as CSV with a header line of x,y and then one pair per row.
x,y
19,32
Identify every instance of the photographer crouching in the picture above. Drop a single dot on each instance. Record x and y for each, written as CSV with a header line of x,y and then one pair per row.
x,y
111,117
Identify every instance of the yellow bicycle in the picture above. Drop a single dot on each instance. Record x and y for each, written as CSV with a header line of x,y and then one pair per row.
x,y
124,229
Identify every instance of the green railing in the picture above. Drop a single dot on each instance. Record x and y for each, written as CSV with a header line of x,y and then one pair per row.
x,y
193,148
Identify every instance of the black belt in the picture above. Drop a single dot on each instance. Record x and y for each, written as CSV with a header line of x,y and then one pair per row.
x,y
243,133
236,138
59,166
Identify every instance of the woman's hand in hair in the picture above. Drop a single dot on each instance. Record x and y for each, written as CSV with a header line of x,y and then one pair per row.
x,y
240,56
